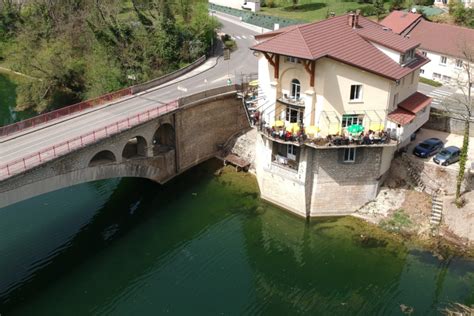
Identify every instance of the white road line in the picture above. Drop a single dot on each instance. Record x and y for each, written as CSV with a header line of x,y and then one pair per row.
x,y
237,37
244,37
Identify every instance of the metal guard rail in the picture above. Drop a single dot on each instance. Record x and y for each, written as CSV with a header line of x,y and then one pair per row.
x,y
48,116
63,148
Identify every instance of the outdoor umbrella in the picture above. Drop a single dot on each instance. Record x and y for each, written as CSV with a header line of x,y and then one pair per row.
x,y
355,128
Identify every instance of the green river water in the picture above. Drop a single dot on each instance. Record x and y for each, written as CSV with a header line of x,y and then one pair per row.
x,y
205,244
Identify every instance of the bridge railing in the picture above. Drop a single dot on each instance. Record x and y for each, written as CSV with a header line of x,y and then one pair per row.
x,y
28,162
78,107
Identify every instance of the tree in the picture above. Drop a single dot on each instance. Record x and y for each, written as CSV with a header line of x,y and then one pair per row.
x,y
379,8
396,5
464,110
295,3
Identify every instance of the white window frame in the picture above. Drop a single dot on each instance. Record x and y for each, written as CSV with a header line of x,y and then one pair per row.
x,y
422,71
424,53
350,119
295,92
291,152
459,61
436,75
349,155
299,114
443,60
359,92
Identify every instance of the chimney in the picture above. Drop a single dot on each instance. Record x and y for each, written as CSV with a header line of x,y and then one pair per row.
x,y
351,19
356,22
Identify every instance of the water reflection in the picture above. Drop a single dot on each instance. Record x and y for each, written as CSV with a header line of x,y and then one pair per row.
x,y
205,244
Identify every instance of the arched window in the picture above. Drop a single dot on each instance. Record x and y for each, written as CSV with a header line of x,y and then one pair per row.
x,y
295,89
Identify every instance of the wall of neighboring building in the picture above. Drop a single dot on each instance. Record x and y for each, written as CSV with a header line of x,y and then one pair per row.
x,y
447,73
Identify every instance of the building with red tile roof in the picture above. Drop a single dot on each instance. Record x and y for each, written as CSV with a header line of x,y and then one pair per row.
x,y
400,21
445,45
319,83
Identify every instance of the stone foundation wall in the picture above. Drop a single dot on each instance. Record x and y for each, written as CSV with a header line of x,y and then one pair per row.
x,y
341,188
202,128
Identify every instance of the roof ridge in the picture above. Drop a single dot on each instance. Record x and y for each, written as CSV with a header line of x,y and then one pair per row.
x,y
448,25
305,43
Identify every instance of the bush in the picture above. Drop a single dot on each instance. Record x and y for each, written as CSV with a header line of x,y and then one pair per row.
x,y
430,82
368,10
270,3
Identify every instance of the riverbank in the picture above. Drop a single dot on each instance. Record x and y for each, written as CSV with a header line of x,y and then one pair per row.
x,y
406,212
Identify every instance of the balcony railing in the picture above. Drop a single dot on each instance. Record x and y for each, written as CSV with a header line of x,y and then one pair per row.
x,y
291,134
291,101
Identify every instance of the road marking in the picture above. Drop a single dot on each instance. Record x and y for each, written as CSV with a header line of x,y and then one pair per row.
x,y
244,37
237,37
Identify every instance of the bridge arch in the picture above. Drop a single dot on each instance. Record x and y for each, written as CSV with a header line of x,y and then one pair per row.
x,y
164,139
102,158
135,147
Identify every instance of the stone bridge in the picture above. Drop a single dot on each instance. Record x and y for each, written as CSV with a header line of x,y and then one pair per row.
x,y
157,149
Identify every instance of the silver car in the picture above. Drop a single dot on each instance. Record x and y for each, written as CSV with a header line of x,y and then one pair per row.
x,y
447,156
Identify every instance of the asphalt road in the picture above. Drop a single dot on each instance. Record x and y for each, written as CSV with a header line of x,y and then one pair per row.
x,y
214,73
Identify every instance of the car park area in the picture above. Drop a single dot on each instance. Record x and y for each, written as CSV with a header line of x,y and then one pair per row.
x,y
448,140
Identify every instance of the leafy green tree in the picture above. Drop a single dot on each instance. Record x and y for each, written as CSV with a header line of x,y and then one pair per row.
x,y
396,5
379,8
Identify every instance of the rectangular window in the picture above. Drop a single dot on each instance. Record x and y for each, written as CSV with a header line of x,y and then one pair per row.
x,y
356,92
424,53
293,60
291,152
348,120
436,75
294,115
402,59
422,71
349,154
444,60
459,63
447,78
395,100
412,77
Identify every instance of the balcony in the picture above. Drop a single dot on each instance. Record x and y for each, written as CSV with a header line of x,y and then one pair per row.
x,y
296,134
293,101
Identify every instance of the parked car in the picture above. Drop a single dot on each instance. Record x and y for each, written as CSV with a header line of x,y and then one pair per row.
x,y
447,156
428,147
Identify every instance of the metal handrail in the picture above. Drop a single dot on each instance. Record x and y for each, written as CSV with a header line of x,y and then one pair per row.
x,y
50,153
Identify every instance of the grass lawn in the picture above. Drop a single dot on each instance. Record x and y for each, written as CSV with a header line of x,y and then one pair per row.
x,y
312,10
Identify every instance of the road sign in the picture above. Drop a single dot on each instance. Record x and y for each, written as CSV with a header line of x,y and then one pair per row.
x,y
226,53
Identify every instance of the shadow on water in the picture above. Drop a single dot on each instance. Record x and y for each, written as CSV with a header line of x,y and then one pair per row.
x,y
132,202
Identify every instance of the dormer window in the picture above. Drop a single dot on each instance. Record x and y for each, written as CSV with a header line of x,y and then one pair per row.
x,y
407,57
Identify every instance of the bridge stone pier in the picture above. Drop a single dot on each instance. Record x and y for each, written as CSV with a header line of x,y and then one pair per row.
x,y
158,149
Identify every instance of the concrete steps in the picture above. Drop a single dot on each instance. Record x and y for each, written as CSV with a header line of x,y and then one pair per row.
x,y
436,210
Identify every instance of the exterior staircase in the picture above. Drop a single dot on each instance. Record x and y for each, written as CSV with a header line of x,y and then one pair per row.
x,y
436,210
436,201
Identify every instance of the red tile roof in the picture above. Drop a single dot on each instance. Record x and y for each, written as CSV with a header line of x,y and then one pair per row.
x,y
399,21
443,38
401,116
334,38
407,109
415,103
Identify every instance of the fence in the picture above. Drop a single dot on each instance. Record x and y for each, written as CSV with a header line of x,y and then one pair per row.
x,y
262,20
68,146
78,107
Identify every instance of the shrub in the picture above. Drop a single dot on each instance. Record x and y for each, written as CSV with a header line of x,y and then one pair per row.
x,y
430,82
368,10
